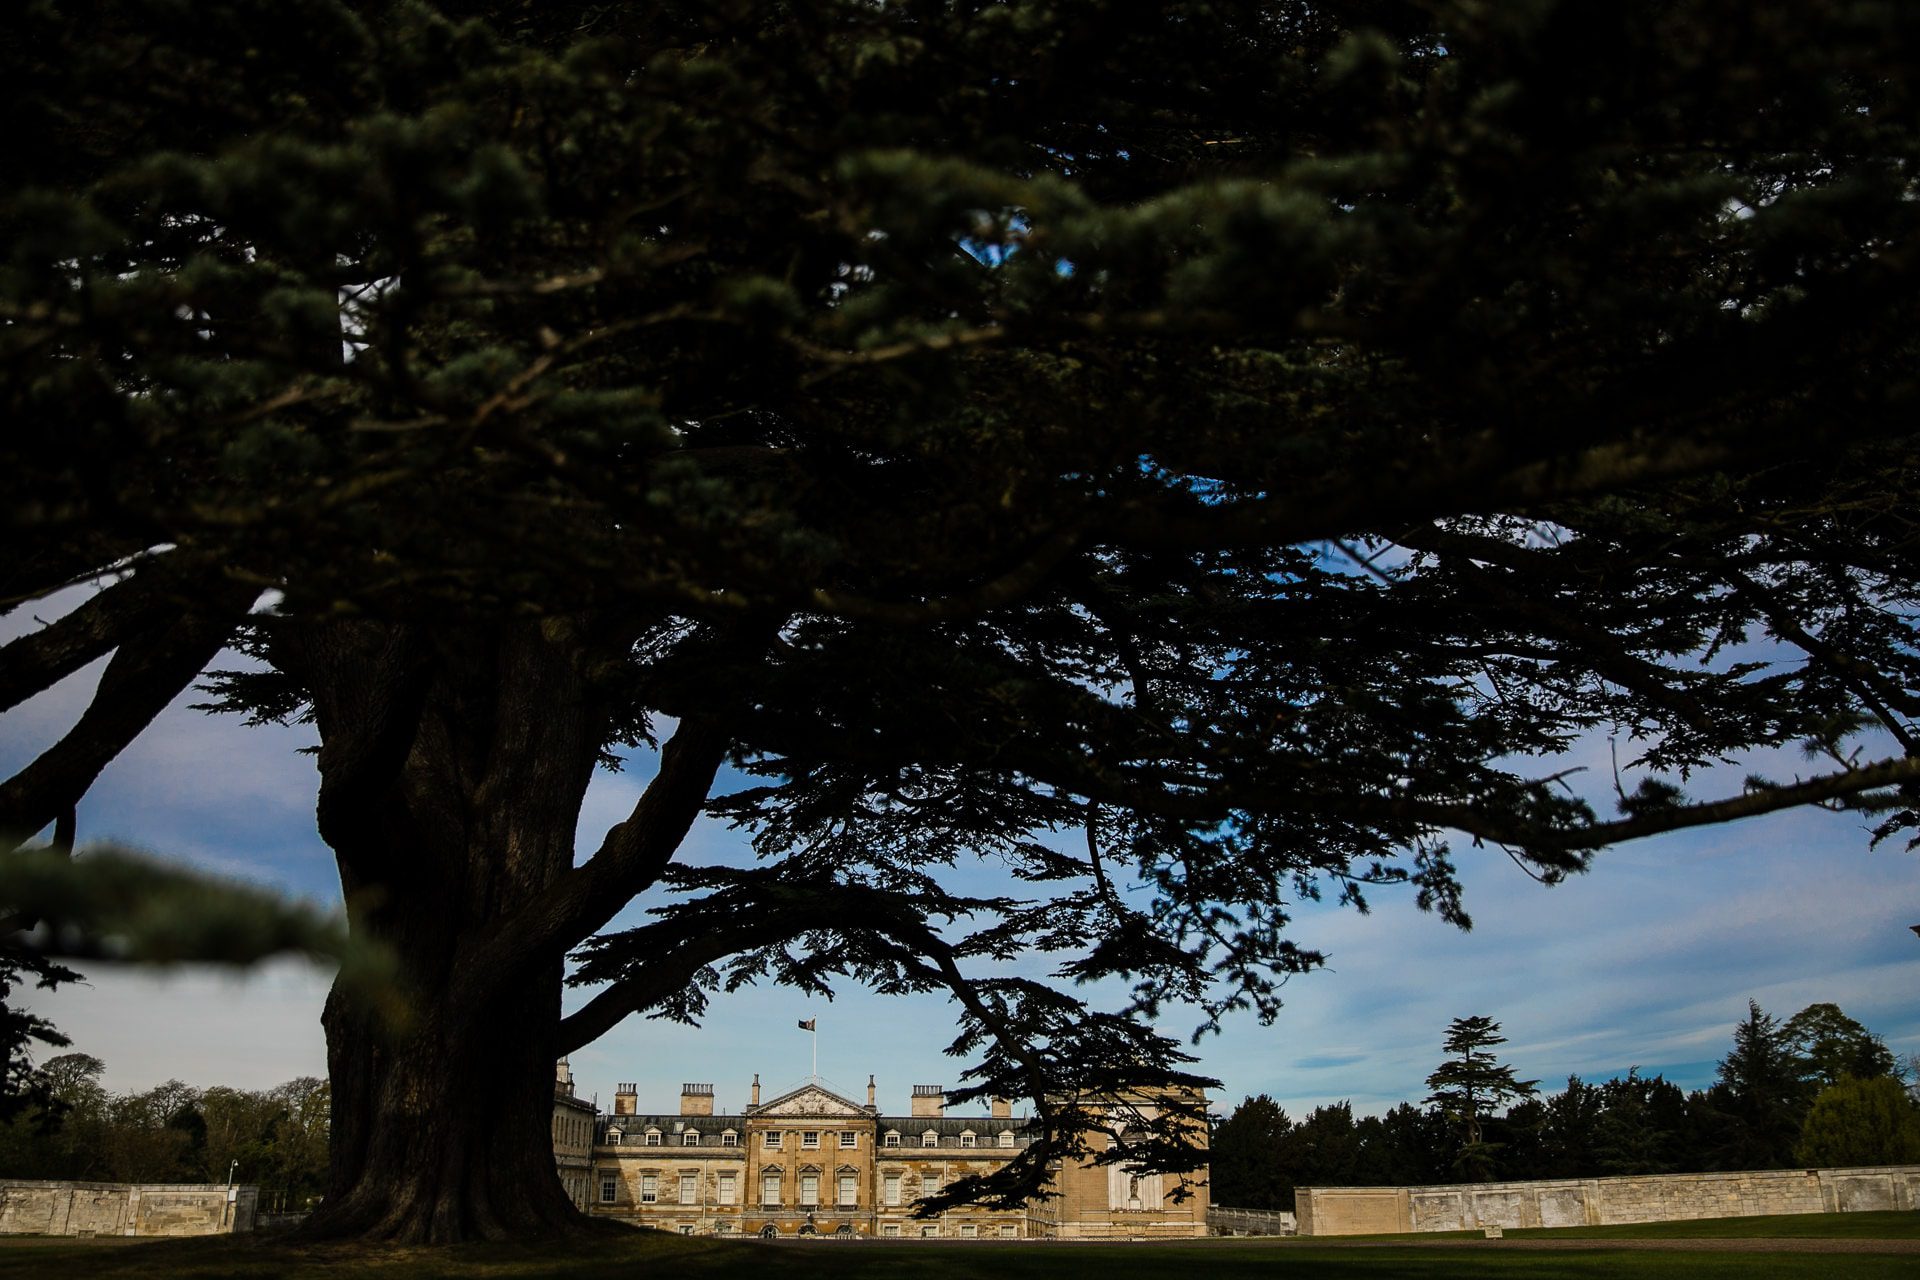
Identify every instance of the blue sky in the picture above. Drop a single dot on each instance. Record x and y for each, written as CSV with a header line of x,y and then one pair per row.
x,y
1646,961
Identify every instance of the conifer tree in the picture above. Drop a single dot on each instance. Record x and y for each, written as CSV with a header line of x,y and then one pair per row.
x,y
1765,1087
1470,1085
1247,1157
1255,439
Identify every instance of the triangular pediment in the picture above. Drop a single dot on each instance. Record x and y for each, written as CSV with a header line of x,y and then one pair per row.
x,y
811,1100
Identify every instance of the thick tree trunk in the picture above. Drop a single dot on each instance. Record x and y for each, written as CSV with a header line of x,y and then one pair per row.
x,y
442,1133
453,767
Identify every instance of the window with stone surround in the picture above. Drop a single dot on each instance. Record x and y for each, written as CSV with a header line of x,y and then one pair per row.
x,y
609,1190
966,1137
849,1139
849,1189
689,1188
691,1138
770,1189
890,1185
892,1139
728,1138
810,1140
931,1138
649,1188
728,1188
772,1139
809,1190
1006,1137
653,1138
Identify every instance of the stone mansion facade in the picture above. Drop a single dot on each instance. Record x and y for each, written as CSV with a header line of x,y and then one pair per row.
x,y
811,1162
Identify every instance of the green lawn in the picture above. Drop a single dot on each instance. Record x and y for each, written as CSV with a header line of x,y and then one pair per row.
x,y
258,1258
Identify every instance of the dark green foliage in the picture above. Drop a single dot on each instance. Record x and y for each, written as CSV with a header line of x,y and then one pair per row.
x,y
1629,1125
1861,1122
1229,450
21,1087
1835,1046
173,1133
1244,1167
1764,1088
1470,1085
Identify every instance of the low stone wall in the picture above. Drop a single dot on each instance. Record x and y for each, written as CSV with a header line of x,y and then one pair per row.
x,y
1249,1222
1577,1202
118,1209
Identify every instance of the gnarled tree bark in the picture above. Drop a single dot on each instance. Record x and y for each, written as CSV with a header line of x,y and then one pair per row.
x,y
453,765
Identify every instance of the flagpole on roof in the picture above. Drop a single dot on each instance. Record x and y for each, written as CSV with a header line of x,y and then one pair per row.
x,y
812,1027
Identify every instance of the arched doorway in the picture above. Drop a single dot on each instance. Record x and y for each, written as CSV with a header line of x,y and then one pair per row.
x,y
769,1232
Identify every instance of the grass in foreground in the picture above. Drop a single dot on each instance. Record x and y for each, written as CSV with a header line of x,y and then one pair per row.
x,y
257,1258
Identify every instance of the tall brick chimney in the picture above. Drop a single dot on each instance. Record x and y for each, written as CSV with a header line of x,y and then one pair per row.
x,y
1002,1109
626,1100
756,1089
871,1104
696,1099
929,1100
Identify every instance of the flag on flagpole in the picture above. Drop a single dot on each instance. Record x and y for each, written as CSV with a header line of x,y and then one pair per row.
x,y
806,1024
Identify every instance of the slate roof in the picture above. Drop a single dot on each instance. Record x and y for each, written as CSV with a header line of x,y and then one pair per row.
x,y
986,1129
671,1126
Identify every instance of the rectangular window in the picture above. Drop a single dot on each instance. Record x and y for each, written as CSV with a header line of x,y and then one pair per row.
x,y
649,1188
690,1139
966,1139
893,1140
1008,1231
726,1188
653,1137
849,1140
609,1190
689,1188
810,1140
892,1187
890,1229
686,1228
930,1230
770,1189
849,1192
773,1138
809,1190
930,1186
968,1230
729,1139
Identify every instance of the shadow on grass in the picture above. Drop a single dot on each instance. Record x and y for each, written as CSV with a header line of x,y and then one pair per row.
x,y
597,1258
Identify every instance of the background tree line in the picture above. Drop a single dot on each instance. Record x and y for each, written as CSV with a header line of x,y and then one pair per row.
x,y
274,1138
1816,1089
